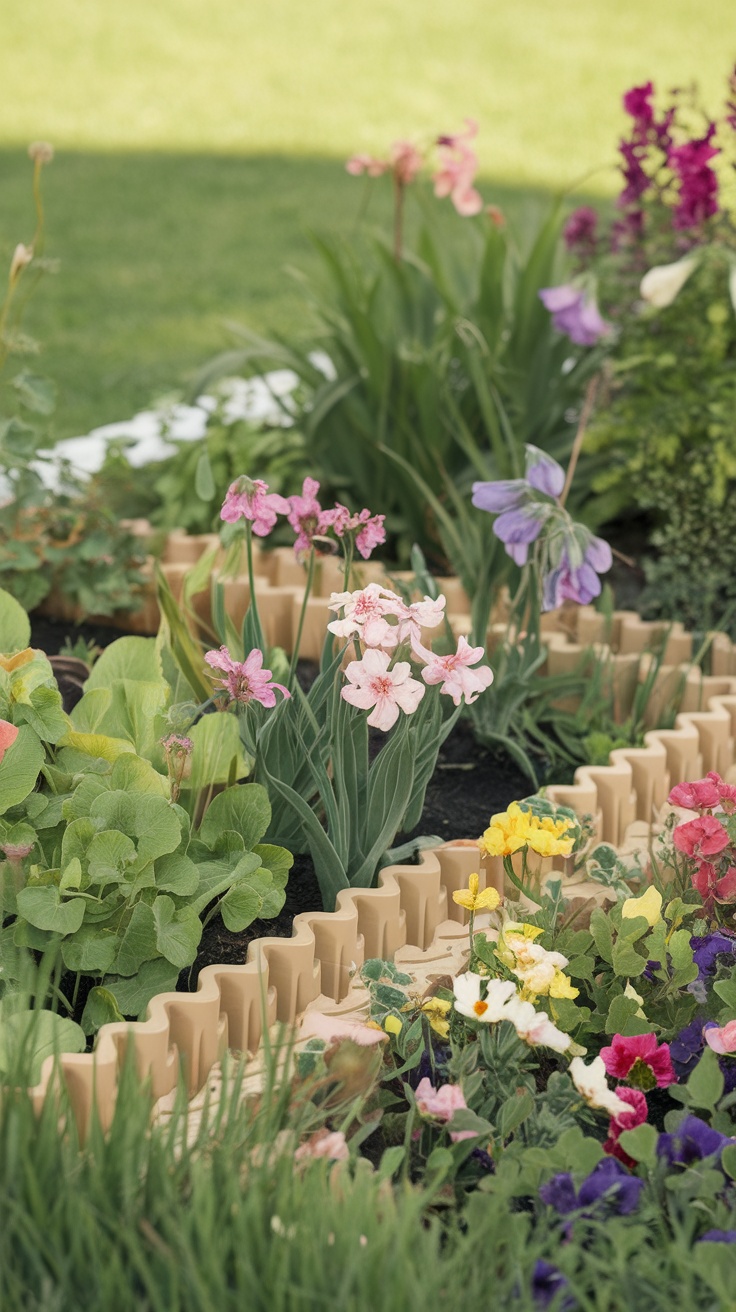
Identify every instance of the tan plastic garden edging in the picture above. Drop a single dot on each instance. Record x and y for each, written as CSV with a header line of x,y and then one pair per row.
x,y
411,912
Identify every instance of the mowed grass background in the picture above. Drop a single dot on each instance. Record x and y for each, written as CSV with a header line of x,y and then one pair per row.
x,y
196,144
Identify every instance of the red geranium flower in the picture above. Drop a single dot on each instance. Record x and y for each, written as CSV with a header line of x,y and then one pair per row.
x,y
702,837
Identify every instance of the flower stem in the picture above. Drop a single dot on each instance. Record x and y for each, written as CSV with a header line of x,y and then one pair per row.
x,y
302,613
251,581
585,414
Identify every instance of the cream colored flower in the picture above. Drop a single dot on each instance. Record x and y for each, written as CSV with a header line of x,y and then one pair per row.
x,y
590,1081
662,284
492,1007
535,1027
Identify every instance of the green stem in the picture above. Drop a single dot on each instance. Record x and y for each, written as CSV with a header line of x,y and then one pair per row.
x,y
348,566
252,582
298,642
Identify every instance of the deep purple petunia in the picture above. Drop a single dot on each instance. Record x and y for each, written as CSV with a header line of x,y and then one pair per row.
x,y
609,1186
692,1141
547,1283
707,950
718,1237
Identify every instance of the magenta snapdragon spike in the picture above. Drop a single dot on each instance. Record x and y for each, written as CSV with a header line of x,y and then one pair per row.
x,y
698,196
581,229
245,681
249,498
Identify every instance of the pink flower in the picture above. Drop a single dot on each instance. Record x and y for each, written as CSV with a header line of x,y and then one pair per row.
x,y
702,837
457,168
246,680
249,498
16,851
426,614
8,735
406,161
368,528
304,515
442,1104
358,164
722,1040
316,1025
364,614
627,1120
710,883
374,684
704,794
325,1143
641,1059
454,674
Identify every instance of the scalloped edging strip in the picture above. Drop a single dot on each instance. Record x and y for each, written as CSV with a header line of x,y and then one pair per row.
x,y
283,977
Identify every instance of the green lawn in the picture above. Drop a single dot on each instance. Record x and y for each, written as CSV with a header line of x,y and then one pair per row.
x,y
196,143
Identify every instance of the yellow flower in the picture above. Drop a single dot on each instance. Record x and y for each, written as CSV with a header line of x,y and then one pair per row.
x,y
515,828
436,1009
474,901
630,992
648,905
561,987
392,1025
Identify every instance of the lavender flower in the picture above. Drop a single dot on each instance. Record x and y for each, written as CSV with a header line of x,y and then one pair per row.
x,y
547,1282
575,313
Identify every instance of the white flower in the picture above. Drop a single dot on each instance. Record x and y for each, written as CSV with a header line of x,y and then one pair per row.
x,y
489,1009
590,1081
536,1028
661,285
732,285
364,613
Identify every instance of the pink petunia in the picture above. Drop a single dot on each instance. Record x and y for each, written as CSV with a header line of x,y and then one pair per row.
x,y
702,837
333,1029
641,1059
324,1143
373,684
442,1104
453,672
722,1040
246,681
458,165
8,735
249,498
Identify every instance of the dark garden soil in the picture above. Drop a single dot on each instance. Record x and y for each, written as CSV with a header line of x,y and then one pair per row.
x,y
468,786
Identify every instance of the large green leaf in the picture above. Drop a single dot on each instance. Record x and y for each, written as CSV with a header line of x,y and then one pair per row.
x,y
108,855
276,859
177,932
91,950
133,995
138,943
101,1008
244,808
218,753
43,908
15,626
27,1038
20,767
127,658
45,714
175,873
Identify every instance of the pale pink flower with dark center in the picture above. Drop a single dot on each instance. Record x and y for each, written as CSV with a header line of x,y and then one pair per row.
x,y
331,1144
364,614
245,681
8,735
453,672
373,684
304,515
249,498
457,168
